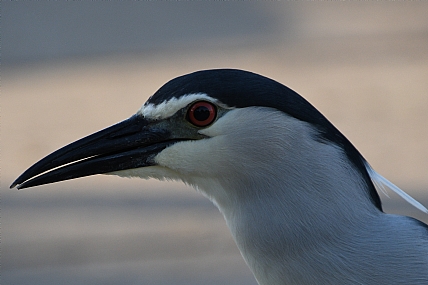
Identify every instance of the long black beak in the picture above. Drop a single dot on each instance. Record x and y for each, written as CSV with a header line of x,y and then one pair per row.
x,y
129,144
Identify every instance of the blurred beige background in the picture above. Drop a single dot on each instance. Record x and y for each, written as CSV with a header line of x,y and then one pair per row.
x,y
71,68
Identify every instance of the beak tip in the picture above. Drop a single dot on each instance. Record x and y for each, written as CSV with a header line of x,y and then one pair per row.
x,y
17,183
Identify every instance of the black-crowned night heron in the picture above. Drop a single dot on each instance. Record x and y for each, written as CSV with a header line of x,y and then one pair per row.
x,y
298,197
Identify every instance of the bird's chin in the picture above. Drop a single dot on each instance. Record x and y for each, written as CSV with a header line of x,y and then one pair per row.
x,y
156,172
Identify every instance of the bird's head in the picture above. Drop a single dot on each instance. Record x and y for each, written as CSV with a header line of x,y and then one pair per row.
x,y
207,128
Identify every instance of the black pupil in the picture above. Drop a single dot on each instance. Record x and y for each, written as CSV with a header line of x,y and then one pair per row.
x,y
201,113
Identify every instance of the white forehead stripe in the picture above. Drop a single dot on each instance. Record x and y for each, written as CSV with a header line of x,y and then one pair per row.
x,y
170,107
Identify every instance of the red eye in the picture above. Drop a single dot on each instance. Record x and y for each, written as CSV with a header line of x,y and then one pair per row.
x,y
202,113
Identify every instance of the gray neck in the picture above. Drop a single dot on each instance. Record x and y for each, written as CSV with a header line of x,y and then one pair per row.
x,y
296,213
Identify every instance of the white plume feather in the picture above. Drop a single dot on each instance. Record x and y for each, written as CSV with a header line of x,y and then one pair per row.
x,y
380,182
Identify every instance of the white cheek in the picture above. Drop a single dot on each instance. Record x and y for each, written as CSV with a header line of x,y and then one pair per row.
x,y
233,146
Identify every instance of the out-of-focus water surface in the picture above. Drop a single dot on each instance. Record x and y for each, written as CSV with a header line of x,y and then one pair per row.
x,y
69,69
